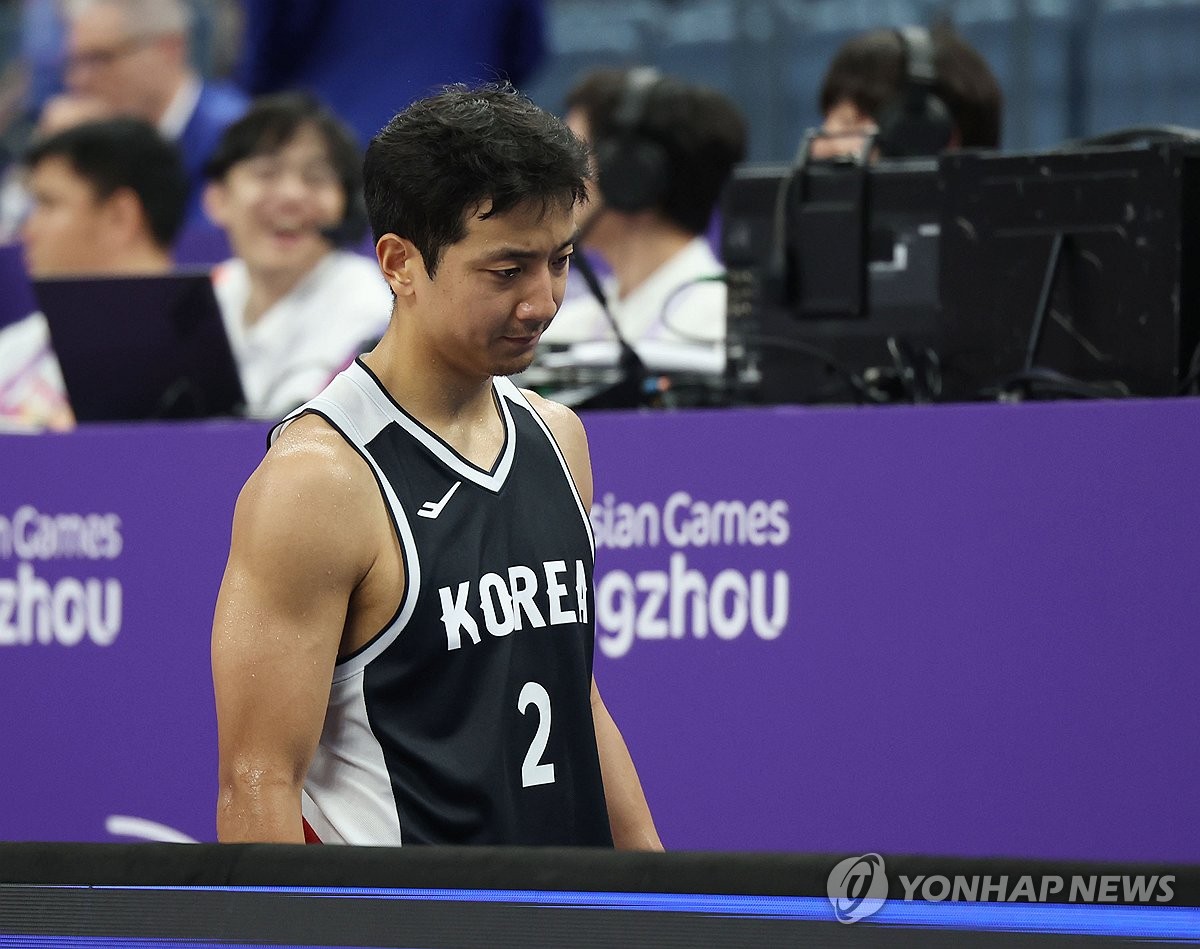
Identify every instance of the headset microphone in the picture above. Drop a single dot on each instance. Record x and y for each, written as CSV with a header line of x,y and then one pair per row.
x,y
343,233
629,391
353,224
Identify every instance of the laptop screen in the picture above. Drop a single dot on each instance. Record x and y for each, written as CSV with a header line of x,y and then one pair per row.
x,y
144,347
16,296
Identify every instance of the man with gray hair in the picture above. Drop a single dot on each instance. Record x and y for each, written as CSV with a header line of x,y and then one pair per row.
x,y
132,58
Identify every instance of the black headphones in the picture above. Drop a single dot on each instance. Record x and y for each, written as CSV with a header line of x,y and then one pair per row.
x,y
917,121
632,169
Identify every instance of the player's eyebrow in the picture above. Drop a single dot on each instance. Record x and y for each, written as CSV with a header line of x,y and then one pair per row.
x,y
520,253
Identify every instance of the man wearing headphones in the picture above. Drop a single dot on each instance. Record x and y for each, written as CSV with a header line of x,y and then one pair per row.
x,y
918,91
662,151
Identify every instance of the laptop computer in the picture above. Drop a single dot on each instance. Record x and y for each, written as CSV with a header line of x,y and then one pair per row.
x,y
141,347
16,295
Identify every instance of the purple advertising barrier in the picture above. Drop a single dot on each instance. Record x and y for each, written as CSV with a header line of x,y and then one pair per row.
x,y
112,545
963,630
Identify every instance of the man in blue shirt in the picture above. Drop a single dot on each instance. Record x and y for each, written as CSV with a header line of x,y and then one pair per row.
x,y
132,57
370,58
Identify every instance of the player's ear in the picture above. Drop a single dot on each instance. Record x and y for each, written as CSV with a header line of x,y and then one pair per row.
x,y
399,261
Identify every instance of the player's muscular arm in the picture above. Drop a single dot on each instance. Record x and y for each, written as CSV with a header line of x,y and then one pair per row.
x,y
300,546
628,813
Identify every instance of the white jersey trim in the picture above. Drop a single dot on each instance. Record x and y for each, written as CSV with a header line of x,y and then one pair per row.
x,y
490,480
369,419
367,815
507,389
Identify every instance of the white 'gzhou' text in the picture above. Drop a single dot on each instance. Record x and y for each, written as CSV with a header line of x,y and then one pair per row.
x,y
63,612
681,602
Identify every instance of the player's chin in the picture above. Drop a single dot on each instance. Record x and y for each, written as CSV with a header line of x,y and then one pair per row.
x,y
512,365
513,354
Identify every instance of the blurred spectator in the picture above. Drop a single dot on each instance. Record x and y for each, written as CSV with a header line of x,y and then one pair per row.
x,y
919,91
409,49
286,186
59,112
133,58
41,51
663,150
108,198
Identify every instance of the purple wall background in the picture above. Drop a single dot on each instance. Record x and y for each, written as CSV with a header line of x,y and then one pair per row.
x,y
990,649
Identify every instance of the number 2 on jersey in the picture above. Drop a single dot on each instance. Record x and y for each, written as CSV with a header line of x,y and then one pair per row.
x,y
533,771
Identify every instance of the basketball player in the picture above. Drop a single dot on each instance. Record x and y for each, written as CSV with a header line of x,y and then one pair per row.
x,y
402,647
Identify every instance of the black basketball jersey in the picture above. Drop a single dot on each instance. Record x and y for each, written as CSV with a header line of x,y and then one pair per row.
x,y
467,720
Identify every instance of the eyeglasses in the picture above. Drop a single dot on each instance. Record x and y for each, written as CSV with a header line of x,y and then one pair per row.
x,y
104,57
271,169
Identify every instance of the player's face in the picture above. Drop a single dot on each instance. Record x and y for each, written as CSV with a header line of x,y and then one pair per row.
x,y
496,290
65,232
273,206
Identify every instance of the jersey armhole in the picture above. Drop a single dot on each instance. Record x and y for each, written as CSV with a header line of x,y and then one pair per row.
x,y
354,662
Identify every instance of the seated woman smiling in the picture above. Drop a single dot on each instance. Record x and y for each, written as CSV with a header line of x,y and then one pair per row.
x,y
285,184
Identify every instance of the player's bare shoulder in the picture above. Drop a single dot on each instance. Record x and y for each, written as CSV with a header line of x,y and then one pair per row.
x,y
310,455
567,429
310,438
311,488
562,421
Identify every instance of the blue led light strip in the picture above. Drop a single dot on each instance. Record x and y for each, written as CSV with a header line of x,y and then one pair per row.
x,y
1177,923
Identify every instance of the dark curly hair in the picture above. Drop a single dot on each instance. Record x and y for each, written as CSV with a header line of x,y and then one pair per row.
x,y
446,156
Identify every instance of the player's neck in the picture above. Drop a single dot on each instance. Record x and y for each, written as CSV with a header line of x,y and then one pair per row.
x,y
460,409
